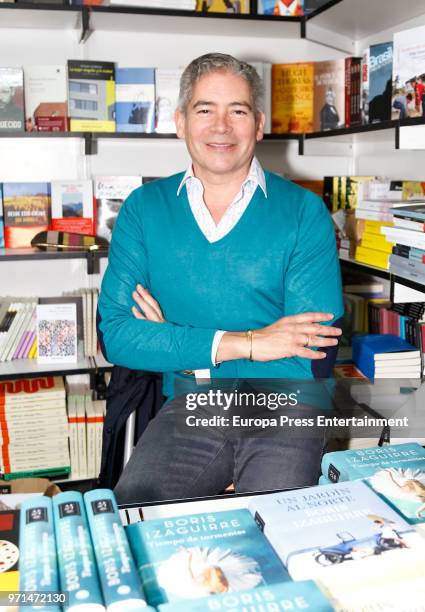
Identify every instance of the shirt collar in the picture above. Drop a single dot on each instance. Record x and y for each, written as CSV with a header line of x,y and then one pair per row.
x,y
255,174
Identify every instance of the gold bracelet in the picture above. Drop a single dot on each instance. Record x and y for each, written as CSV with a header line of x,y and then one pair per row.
x,y
248,335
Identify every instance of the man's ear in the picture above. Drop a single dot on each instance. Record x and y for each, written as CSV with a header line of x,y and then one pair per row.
x,y
261,118
180,120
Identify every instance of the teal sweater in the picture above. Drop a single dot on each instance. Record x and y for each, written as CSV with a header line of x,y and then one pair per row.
x,y
280,259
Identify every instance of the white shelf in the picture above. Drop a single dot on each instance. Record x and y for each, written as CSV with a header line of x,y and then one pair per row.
x,y
52,18
358,19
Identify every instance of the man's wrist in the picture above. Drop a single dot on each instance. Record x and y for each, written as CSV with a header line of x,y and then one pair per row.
x,y
233,345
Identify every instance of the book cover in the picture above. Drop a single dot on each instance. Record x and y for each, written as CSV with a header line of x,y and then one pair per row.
x,y
396,471
292,98
281,8
11,100
408,86
31,390
223,6
167,85
72,207
202,554
380,82
411,211
369,348
57,333
135,99
353,91
91,96
77,566
360,552
329,95
37,563
110,193
364,87
9,549
117,571
26,210
301,595
46,107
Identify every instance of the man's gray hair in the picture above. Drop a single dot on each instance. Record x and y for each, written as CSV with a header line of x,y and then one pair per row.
x,y
219,62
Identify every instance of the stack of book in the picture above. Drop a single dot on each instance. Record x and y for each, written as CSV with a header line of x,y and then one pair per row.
x,y
85,420
34,428
386,356
408,255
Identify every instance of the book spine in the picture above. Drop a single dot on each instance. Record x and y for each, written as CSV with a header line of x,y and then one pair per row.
x,y
37,563
348,92
118,575
76,561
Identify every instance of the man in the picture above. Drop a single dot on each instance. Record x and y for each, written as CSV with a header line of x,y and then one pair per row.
x,y
229,262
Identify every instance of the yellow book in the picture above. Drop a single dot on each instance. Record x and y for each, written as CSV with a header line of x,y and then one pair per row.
x,y
372,257
33,351
376,242
223,6
292,98
374,227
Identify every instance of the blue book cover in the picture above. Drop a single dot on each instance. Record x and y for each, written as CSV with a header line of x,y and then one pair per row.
x,y
197,555
396,472
77,565
117,572
412,211
366,347
356,547
1,218
301,595
135,99
380,82
38,570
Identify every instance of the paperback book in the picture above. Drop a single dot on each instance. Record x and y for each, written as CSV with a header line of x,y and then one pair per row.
x,y
91,96
193,556
46,108
11,100
167,84
223,6
329,95
72,207
361,553
57,333
110,193
281,8
408,86
292,98
26,210
380,82
135,99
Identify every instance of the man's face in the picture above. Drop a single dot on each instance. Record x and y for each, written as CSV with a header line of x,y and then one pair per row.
x,y
219,126
6,94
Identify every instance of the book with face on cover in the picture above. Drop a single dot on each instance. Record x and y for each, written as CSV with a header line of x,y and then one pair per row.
x,y
360,552
167,84
197,555
380,81
329,95
11,100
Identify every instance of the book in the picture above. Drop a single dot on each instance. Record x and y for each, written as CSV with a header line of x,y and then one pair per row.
x,y
361,553
372,257
353,91
292,98
57,333
110,193
281,8
1,218
380,82
11,100
197,555
329,95
395,472
135,99
78,575
37,563
118,576
264,70
91,96
26,209
9,549
301,595
223,6
410,211
72,207
167,85
405,236
364,87
368,350
408,87
46,107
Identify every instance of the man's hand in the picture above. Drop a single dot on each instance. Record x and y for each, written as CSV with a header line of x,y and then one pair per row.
x,y
147,304
287,337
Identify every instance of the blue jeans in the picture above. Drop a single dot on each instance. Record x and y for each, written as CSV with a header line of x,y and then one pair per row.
x,y
173,461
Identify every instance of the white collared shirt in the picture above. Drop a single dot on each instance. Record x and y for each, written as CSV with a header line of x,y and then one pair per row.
x,y
213,231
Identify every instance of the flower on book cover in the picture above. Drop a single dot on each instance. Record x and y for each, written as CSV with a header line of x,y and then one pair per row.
x,y
196,572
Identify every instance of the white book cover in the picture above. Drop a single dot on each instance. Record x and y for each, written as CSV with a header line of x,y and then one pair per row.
x,y
26,318
72,206
404,236
408,71
99,407
95,298
167,82
82,433
73,435
110,193
20,309
264,70
56,333
44,85
89,315
91,437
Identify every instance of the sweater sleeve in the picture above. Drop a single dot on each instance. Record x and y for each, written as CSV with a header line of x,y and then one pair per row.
x,y
130,342
313,277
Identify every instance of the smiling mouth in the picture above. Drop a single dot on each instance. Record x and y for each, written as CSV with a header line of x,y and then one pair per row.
x,y
220,146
